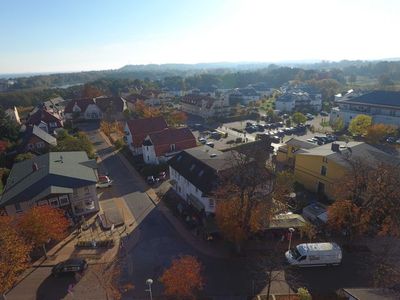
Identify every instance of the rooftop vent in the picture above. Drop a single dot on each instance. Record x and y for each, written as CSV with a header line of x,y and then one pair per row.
x,y
213,155
335,147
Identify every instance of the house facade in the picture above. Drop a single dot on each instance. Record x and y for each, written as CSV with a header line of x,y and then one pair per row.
x,y
37,140
47,120
96,108
382,106
160,146
137,130
66,180
286,154
298,100
205,106
319,169
195,174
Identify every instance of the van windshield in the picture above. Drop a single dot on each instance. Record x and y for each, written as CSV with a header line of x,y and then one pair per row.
x,y
295,253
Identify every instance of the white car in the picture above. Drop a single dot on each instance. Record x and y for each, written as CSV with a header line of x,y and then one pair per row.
x,y
104,181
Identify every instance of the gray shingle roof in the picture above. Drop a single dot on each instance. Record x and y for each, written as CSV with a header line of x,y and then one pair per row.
x,y
300,144
56,172
201,165
386,98
353,151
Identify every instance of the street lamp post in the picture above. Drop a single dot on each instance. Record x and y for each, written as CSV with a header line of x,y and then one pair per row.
x,y
149,282
291,230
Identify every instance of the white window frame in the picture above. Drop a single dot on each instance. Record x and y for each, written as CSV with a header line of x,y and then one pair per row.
x,y
61,200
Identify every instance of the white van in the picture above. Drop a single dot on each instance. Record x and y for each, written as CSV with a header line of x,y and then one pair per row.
x,y
315,254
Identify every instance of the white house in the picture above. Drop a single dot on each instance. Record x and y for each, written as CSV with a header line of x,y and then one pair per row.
x,y
205,106
382,106
160,146
137,130
195,173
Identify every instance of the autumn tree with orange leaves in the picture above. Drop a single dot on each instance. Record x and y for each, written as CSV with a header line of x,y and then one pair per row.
x,y
14,254
346,217
379,132
41,224
374,193
247,197
90,91
183,278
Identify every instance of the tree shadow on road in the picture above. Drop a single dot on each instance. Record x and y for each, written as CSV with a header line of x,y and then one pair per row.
x,y
55,288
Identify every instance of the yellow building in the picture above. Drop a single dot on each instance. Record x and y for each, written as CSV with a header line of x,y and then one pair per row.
x,y
321,167
286,154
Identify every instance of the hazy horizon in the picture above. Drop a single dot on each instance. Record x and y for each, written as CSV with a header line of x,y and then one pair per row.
x,y
45,36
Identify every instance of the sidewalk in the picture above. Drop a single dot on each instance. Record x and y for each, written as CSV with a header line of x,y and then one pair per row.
x,y
209,249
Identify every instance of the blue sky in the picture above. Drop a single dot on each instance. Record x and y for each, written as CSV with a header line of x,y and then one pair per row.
x,y
72,35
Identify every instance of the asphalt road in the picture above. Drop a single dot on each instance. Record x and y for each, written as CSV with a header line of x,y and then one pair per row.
x,y
158,242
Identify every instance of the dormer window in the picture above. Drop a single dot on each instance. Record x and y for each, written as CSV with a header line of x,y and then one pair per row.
x,y
172,147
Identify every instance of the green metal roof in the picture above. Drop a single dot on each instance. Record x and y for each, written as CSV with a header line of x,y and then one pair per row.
x,y
54,172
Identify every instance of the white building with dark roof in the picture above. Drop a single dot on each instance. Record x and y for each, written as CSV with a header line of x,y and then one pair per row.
x,y
195,174
382,106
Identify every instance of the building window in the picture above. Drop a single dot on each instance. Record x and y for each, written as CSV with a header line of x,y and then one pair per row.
x,y
87,190
211,203
172,147
63,200
18,208
323,171
197,190
53,202
325,159
75,192
42,202
148,158
40,145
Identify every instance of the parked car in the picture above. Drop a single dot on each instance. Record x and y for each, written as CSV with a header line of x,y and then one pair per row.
x,y
324,113
398,141
70,266
210,144
202,140
309,117
215,135
391,140
275,139
152,180
260,128
315,254
104,182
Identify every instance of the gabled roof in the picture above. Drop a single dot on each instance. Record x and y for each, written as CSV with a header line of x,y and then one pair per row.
x,y
171,136
353,151
56,171
201,166
115,104
182,138
385,98
41,134
298,143
140,128
41,114
82,103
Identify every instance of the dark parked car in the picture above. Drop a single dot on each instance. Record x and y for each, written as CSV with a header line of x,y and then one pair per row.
x,y
260,128
152,180
391,140
70,266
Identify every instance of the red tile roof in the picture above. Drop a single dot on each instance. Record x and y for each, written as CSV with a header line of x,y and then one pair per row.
x,y
182,138
140,128
82,103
